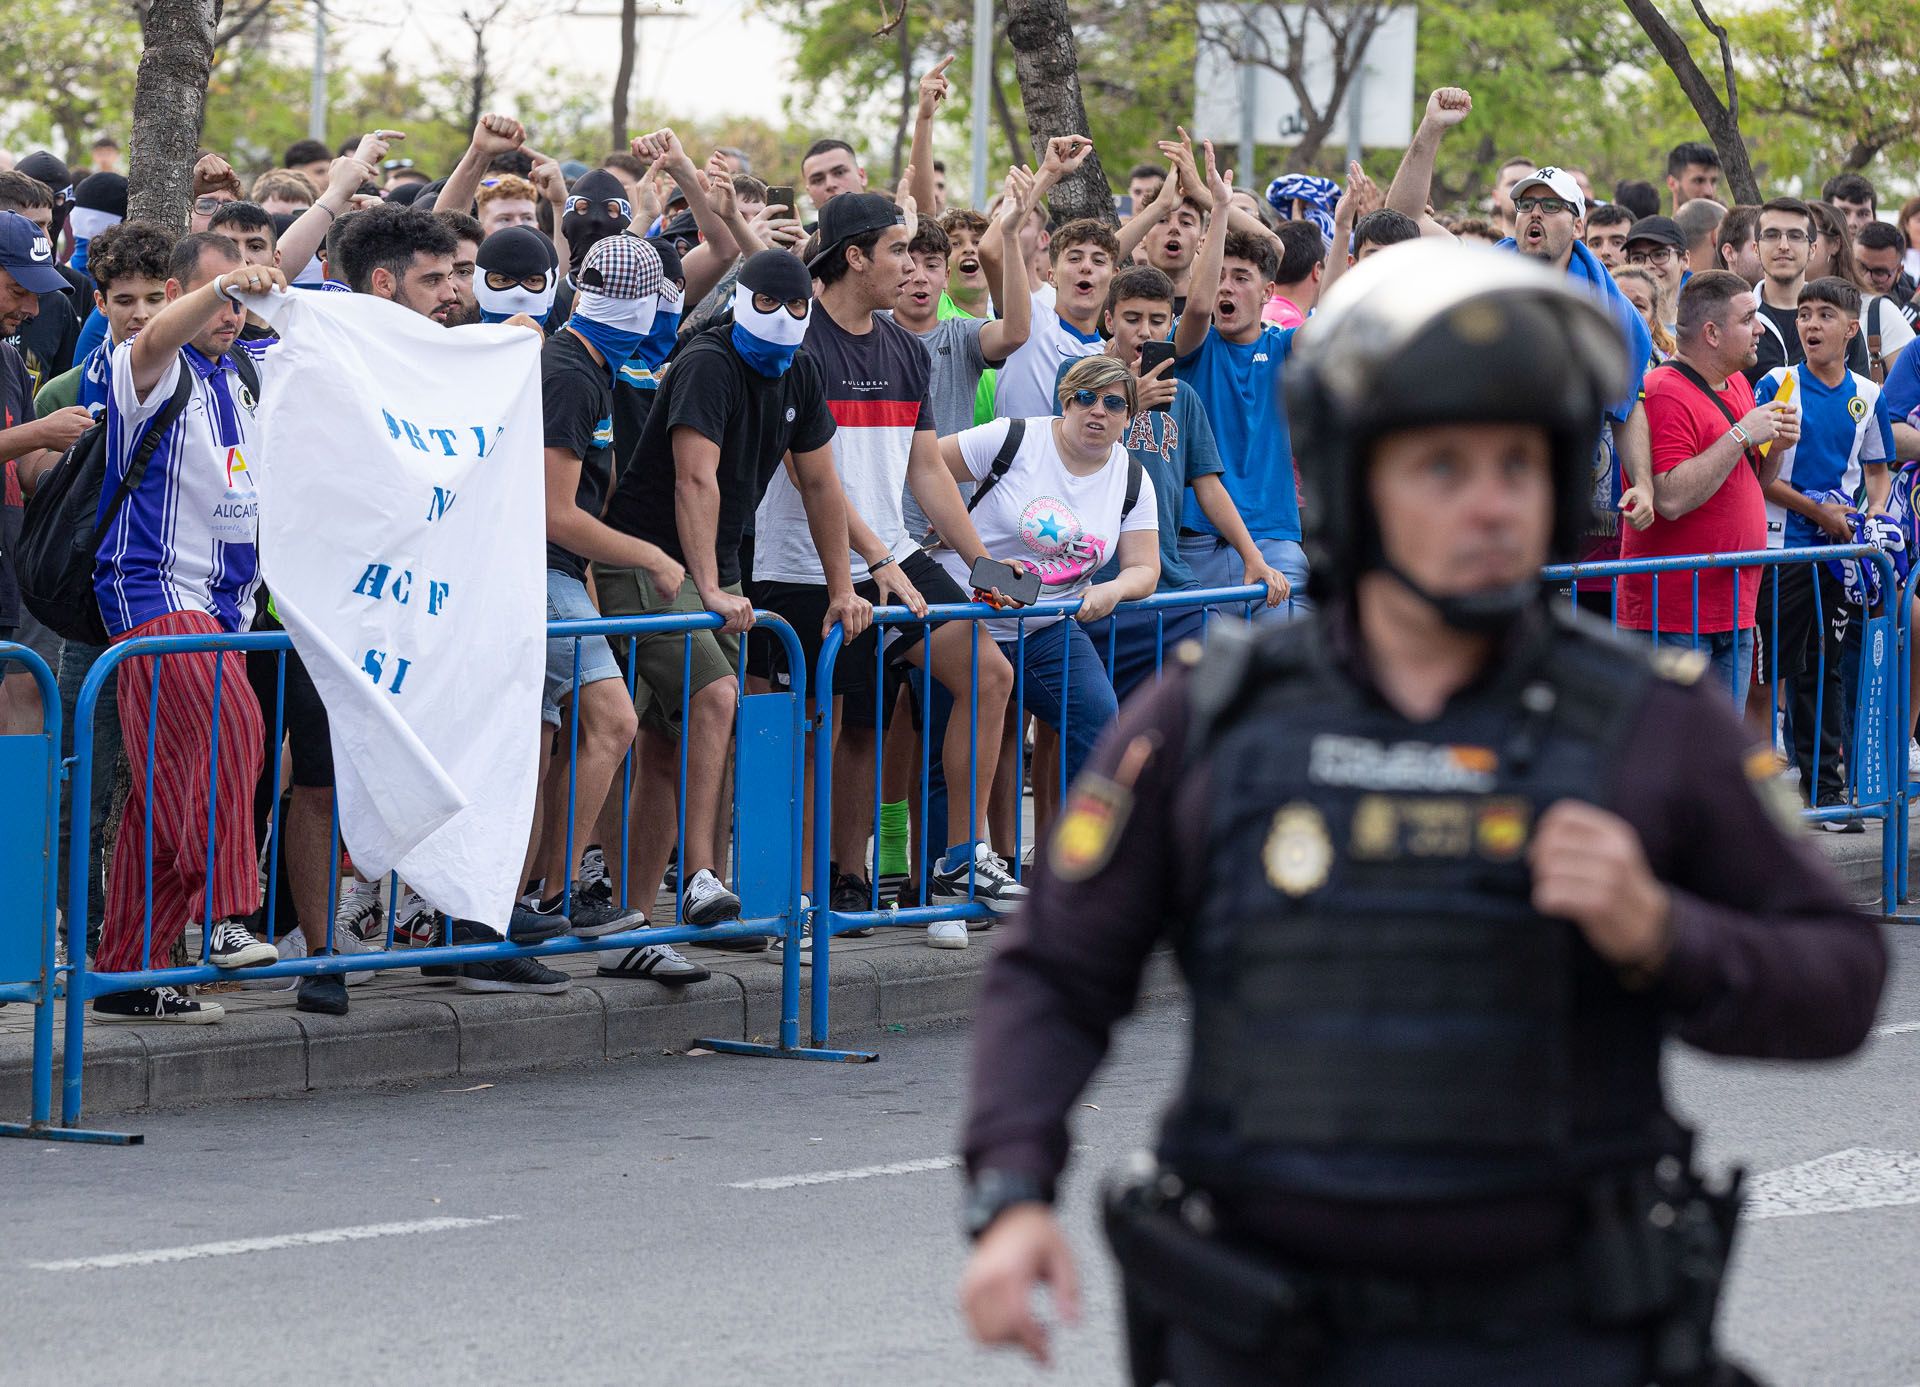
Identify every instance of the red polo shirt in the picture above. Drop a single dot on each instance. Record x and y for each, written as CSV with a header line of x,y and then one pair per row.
x,y
1683,423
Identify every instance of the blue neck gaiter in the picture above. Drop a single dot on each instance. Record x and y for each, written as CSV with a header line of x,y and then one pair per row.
x,y
768,358
615,344
658,344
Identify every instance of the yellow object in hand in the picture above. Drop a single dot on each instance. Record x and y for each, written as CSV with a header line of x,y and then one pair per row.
x,y
1788,384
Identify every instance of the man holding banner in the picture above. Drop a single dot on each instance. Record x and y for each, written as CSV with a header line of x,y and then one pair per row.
x,y
417,608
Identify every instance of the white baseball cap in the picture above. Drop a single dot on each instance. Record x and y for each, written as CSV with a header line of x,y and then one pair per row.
x,y
1558,182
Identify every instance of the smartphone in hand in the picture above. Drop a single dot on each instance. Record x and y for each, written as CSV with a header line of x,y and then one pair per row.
x,y
782,196
1153,353
1019,586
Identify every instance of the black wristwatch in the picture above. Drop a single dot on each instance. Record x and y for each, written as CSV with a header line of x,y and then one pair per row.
x,y
993,1192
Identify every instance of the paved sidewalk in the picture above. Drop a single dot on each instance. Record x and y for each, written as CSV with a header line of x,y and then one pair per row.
x,y
407,1029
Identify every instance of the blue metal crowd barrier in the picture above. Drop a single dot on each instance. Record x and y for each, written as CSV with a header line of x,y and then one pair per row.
x,y
770,747
30,870
826,921
769,735
1875,757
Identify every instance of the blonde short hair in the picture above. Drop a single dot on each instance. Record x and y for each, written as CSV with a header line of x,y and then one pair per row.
x,y
507,185
285,184
1096,373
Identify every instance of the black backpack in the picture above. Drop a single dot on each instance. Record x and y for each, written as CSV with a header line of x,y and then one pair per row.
x,y
60,540
60,537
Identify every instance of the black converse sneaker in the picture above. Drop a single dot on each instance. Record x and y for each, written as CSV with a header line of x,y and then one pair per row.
x,y
156,1004
233,946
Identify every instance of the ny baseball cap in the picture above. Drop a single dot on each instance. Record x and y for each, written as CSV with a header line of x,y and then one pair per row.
x,y
621,267
849,216
1558,182
27,255
1663,231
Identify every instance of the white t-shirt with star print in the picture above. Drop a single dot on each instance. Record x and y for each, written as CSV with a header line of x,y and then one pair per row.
x,y
1066,526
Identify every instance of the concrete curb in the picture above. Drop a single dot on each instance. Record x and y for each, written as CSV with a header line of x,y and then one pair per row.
x,y
401,1030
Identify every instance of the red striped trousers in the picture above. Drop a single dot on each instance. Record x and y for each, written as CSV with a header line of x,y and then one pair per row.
x,y
176,804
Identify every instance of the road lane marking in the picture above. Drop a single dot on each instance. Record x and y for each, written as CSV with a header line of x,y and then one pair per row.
x,y
235,1246
1856,1178
1904,1028
830,1177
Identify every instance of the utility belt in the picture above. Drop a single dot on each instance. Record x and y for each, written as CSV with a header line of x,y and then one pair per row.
x,y
1651,1255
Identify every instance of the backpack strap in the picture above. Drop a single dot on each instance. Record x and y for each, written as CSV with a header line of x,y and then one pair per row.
x,y
1874,361
247,369
1002,461
149,444
1134,474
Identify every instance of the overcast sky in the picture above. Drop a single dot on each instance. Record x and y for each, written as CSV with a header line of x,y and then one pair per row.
x,y
723,58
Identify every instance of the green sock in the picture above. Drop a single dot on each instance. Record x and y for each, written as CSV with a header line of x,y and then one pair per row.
x,y
894,830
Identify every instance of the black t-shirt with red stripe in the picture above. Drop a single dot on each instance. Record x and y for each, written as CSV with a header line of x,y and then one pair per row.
x,y
878,388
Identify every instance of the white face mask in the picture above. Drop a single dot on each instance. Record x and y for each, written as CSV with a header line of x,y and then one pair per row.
x,y
778,327
628,315
519,299
88,223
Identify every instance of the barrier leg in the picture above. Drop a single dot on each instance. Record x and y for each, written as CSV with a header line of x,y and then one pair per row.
x,y
822,910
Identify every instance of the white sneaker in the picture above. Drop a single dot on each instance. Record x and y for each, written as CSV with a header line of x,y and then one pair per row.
x,y
946,934
993,885
359,912
707,902
1913,760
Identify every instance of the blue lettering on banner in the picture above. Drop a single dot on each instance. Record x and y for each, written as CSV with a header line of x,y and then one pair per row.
x,y
380,580
486,437
374,664
442,503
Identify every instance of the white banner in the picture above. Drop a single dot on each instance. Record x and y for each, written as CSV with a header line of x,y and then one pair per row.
x,y
402,535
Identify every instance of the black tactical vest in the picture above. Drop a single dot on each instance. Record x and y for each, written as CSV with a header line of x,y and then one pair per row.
x,y
1379,1012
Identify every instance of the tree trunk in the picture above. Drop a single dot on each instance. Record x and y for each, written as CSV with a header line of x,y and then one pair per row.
x,y
477,88
1047,62
169,107
909,97
623,79
1009,129
1721,118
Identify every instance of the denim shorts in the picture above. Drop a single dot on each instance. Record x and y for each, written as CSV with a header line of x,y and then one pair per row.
x,y
567,600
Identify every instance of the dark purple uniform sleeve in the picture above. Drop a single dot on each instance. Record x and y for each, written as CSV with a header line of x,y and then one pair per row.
x,y
1769,958
1069,965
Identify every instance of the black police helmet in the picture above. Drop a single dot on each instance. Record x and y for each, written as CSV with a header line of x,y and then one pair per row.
x,y
1434,333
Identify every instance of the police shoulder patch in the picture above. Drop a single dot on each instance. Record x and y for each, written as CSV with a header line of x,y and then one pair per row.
x,y
1678,664
1089,827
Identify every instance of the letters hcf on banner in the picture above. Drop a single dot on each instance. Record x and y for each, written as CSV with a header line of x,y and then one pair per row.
x,y
402,536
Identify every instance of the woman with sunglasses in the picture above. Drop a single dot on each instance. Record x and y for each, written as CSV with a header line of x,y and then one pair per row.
x,y
1060,510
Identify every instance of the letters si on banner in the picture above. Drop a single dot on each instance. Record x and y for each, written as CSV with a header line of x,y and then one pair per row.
x,y
402,536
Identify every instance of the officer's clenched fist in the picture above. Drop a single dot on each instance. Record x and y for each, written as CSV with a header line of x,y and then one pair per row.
x,y
1588,867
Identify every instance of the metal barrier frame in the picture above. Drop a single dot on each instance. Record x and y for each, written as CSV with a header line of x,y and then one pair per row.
x,y
827,922
80,985
41,992
1891,809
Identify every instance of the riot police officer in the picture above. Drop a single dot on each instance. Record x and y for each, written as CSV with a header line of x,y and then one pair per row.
x,y
1441,868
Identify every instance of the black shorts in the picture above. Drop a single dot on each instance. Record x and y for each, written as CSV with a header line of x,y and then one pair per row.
x,y
302,719
804,605
1801,631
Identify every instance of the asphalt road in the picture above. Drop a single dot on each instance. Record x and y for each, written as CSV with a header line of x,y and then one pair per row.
x,y
642,1222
